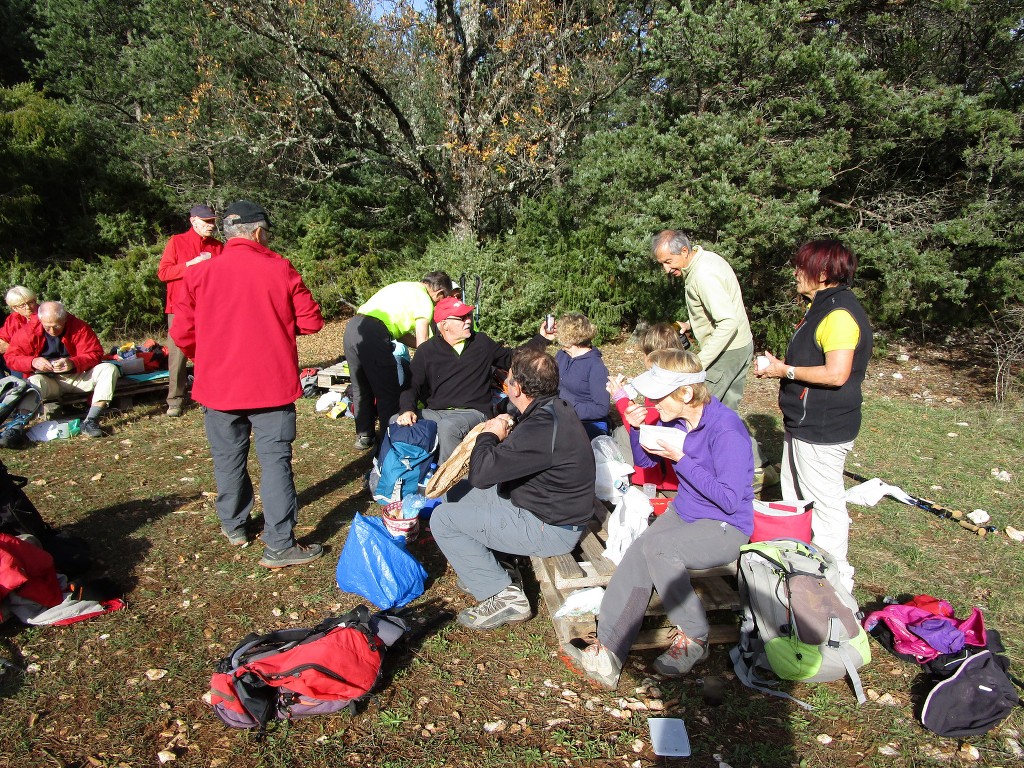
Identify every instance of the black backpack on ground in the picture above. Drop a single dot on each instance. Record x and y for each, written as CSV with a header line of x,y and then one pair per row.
x,y
19,517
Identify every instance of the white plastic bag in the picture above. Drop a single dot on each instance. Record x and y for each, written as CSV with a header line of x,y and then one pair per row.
x,y
612,471
581,603
328,399
45,431
869,493
626,523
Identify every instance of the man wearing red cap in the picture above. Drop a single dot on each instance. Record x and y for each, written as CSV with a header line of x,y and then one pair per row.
x,y
452,373
183,251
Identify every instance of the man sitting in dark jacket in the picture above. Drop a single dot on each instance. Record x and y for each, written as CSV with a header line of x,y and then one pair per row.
x,y
530,491
451,374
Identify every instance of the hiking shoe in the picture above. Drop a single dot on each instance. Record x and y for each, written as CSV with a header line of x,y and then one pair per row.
x,y
595,661
509,605
174,411
297,554
91,428
237,537
364,442
682,655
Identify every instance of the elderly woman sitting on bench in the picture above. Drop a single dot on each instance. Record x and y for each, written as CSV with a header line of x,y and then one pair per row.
x,y
710,518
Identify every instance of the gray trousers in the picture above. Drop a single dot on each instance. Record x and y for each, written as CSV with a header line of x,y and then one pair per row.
x,y
177,381
478,522
727,375
658,560
452,425
274,430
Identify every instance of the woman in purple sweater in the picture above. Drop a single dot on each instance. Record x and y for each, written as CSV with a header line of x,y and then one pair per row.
x,y
711,517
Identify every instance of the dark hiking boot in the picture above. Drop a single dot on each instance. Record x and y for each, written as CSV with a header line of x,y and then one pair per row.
x,y
296,554
364,442
91,428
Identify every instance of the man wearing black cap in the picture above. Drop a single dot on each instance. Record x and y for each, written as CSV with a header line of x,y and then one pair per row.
x,y
237,317
183,251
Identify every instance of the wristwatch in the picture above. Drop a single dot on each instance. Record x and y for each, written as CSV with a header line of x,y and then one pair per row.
x,y
791,373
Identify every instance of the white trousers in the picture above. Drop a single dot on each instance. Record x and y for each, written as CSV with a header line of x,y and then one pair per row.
x,y
815,472
99,380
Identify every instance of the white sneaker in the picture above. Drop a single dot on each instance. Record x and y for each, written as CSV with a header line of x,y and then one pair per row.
x,y
596,662
684,653
509,605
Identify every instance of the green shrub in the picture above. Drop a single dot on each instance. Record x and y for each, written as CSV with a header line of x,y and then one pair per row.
x,y
117,296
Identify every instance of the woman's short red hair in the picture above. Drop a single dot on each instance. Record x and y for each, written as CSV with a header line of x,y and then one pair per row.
x,y
829,258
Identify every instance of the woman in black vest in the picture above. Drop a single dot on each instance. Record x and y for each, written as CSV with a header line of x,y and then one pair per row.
x,y
819,391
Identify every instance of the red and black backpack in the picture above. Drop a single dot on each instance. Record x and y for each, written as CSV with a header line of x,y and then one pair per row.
x,y
293,673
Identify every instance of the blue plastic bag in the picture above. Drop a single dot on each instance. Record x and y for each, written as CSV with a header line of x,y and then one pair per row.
x,y
376,565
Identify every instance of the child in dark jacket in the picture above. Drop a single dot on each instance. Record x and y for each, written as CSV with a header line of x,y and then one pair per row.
x,y
582,373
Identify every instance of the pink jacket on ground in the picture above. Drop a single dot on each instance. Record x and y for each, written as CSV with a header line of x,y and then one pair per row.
x,y
898,617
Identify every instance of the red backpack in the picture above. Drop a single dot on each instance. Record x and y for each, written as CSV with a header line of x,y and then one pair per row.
x,y
294,673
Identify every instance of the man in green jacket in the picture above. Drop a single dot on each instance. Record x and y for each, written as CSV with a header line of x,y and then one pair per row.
x,y
714,303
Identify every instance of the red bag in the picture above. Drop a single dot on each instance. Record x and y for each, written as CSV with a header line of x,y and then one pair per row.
x,y
782,520
296,673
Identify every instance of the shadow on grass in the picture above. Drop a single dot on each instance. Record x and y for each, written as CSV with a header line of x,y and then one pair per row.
x,y
765,429
425,619
332,521
12,663
116,553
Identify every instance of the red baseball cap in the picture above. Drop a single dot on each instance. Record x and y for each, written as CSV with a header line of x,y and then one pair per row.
x,y
451,307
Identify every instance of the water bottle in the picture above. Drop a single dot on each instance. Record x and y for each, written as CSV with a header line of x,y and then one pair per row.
x,y
422,489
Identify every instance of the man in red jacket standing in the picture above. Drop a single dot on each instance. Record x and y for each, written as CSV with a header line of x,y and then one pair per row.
x,y
183,251
60,353
237,317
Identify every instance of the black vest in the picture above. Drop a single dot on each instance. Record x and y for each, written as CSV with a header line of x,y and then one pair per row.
x,y
812,412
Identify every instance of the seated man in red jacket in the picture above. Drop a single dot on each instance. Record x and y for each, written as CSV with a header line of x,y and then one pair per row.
x,y
60,353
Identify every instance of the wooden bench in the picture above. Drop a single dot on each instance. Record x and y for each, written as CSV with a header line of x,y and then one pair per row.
x,y
335,377
587,566
126,390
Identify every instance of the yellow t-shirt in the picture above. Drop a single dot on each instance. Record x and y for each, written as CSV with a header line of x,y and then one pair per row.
x,y
399,306
837,331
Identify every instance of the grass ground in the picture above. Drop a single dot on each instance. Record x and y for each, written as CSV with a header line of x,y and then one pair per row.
x,y
81,695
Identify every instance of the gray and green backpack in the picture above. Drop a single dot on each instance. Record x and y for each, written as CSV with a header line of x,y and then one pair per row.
x,y
799,622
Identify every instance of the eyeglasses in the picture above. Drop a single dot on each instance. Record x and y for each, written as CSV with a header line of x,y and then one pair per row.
x,y
23,305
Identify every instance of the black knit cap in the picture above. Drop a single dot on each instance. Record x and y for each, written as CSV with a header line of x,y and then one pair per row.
x,y
247,212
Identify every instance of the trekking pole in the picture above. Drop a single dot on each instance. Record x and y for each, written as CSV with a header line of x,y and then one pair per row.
x,y
936,509
476,303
